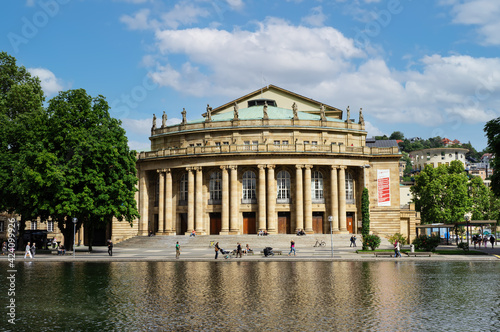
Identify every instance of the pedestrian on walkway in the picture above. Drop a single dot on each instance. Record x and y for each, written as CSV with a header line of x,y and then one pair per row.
x,y
353,241
110,248
27,252
33,249
217,250
177,250
492,241
292,248
485,241
397,249
238,250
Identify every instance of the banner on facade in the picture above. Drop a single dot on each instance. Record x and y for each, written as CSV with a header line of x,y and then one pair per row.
x,y
383,187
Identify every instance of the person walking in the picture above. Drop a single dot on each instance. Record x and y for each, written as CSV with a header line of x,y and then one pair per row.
x,y
238,250
33,249
292,248
177,250
397,249
216,250
27,251
4,248
492,241
110,248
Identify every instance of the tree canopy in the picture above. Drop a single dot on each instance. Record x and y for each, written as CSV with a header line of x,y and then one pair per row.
x,y
70,159
492,129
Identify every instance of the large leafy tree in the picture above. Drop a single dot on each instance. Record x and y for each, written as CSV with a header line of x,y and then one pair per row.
x,y
492,129
441,194
92,153
22,122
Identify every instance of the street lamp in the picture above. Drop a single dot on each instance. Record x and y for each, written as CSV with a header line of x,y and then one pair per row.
x,y
330,219
75,220
467,217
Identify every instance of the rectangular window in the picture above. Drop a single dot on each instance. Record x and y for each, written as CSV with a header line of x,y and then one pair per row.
x,y
247,145
33,225
191,145
285,143
50,226
314,142
276,142
217,143
225,143
306,142
255,145
198,144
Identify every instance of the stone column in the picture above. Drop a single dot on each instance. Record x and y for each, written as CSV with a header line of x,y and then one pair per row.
x,y
233,222
199,201
168,201
161,202
190,225
262,197
144,203
299,202
271,200
334,199
342,217
308,200
225,202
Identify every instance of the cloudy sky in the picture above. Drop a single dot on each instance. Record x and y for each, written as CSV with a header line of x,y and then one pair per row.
x,y
426,67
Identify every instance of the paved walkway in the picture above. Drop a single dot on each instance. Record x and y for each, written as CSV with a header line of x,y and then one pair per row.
x,y
162,248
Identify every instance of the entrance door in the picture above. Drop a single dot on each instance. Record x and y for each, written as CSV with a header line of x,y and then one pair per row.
x,y
318,222
283,222
184,224
249,223
350,222
215,223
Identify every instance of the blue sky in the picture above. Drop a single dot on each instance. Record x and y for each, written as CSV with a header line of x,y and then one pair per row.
x,y
425,68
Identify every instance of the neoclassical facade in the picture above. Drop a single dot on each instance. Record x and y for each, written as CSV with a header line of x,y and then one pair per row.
x,y
271,160
436,157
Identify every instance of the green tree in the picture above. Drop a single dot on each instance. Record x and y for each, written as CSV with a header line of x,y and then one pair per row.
x,y
21,116
480,197
365,216
441,194
99,169
397,135
492,129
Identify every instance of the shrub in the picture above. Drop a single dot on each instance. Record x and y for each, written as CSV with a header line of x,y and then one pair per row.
x,y
401,239
372,241
427,243
463,245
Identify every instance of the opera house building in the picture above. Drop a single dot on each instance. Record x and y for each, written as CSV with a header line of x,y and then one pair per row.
x,y
271,160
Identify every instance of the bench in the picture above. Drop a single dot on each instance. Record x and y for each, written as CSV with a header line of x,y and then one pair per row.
x,y
420,253
386,253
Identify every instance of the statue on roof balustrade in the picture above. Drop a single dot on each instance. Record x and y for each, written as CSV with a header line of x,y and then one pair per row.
x,y
209,113
361,119
348,120
295,114
183,116
266,116
154,122
163,120
322,112
235,109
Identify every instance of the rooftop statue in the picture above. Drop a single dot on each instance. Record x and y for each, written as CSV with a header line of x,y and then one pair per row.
x,y
154,122
322,112
361,119
236,111
163,120
266,116
183,116
348,115
209,113
295,114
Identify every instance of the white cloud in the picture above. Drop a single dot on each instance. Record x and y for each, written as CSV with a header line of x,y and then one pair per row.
x,y
51,85
372,130
235,4
139,146
316,18
481,13
140,20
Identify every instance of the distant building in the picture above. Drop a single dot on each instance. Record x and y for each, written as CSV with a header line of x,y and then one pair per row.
x,y
448,142
436,157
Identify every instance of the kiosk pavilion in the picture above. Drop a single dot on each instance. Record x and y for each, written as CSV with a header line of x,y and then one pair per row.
x,y
271,160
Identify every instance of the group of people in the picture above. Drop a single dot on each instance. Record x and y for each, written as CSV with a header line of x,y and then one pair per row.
x,y
300,232
477,240
262,233
353,241
239,250
30,250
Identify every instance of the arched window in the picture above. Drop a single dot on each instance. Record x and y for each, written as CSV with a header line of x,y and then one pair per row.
x,y
349,188
215,188
183,190
249,185
317,187
283,182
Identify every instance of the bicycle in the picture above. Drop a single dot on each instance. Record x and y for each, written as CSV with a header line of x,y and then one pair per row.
x,y
319,243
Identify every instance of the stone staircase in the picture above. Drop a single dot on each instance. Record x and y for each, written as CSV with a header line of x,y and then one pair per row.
x,y
280,241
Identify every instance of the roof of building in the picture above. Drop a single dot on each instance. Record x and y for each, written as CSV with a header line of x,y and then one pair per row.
x,y
257,113
387,143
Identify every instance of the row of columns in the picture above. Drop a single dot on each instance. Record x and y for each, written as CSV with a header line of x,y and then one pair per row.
x,y
230,200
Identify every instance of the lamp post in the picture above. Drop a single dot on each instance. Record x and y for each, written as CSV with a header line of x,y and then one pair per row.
x,y
467,217
330,219
75,220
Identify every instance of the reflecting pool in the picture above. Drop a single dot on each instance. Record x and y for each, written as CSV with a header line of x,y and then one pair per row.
x,y
255,296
